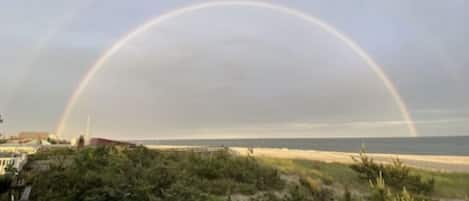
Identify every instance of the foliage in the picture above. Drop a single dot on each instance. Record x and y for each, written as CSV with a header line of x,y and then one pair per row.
x,y
57,141
5,182
347,194
10,170
113,173
127,174
397,175
297,193
451,185
49,154
266,197
404,196
380,192
304,193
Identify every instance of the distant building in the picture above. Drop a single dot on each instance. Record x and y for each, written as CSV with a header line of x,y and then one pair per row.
x,y
19,148
102,141
14,159
54,137
33,135
74,142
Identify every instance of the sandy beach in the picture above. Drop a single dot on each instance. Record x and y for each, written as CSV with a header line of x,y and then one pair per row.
x,y
429,162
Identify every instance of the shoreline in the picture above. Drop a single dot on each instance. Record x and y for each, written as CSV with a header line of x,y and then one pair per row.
x,y
445,163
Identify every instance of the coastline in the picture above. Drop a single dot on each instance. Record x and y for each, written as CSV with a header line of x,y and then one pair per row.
x,y
426,162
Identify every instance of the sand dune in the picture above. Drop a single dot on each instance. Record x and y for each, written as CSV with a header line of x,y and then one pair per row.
x,y
429,162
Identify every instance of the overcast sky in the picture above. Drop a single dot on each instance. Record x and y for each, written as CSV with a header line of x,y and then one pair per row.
x,y
235,72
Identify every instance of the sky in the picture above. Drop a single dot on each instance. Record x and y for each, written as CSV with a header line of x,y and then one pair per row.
x,y
235,71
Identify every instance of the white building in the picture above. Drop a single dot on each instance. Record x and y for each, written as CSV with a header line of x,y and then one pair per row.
x,y
16,160
19,148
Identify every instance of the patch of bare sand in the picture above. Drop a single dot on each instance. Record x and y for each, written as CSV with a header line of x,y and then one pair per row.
x,y
429,162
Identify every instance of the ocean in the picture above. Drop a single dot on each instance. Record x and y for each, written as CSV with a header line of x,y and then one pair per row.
x,y
419,145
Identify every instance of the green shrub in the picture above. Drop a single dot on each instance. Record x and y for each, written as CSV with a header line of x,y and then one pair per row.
x,y
266,197
5,182
113,173
327,180
397,175
347,194
380,192
298,193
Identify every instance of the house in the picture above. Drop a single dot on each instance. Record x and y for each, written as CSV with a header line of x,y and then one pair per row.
x,y
16,160
19,148
33,135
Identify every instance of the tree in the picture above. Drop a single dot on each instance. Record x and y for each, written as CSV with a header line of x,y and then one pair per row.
x,y
81,142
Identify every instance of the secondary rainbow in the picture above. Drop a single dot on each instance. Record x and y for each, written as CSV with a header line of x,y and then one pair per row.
x,y
406,116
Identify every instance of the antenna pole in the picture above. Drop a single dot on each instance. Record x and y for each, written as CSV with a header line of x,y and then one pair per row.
x,y
88,128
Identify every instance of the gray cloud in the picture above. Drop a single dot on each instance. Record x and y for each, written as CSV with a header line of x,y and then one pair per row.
x,y
237,72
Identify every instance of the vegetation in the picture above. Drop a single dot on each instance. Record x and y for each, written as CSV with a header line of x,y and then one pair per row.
x,y
5,182
380,192
111,173
116,173
397,175
56,141
342,176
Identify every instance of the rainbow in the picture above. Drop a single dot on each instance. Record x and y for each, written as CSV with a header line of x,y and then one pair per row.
x,y
406,116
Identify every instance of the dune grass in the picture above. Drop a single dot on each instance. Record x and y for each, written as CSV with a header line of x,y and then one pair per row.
x,y
214,174
328,173
447,185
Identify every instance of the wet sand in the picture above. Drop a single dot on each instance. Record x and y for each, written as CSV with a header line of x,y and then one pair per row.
x,y
428,162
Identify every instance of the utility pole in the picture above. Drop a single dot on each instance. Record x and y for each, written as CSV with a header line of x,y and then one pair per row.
x,y
88,129
1,122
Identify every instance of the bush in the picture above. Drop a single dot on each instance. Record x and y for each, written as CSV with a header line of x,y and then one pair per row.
x,y
5,182
380,192
111,173
347,194
397,175
298,193
266,197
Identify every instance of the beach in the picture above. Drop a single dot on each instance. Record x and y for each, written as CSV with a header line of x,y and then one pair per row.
x,y
427,162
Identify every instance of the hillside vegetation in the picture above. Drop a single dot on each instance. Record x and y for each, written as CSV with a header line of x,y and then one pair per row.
x,y
130,174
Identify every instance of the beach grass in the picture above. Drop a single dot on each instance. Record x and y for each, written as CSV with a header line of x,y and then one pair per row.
x,y
447,185
221,172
